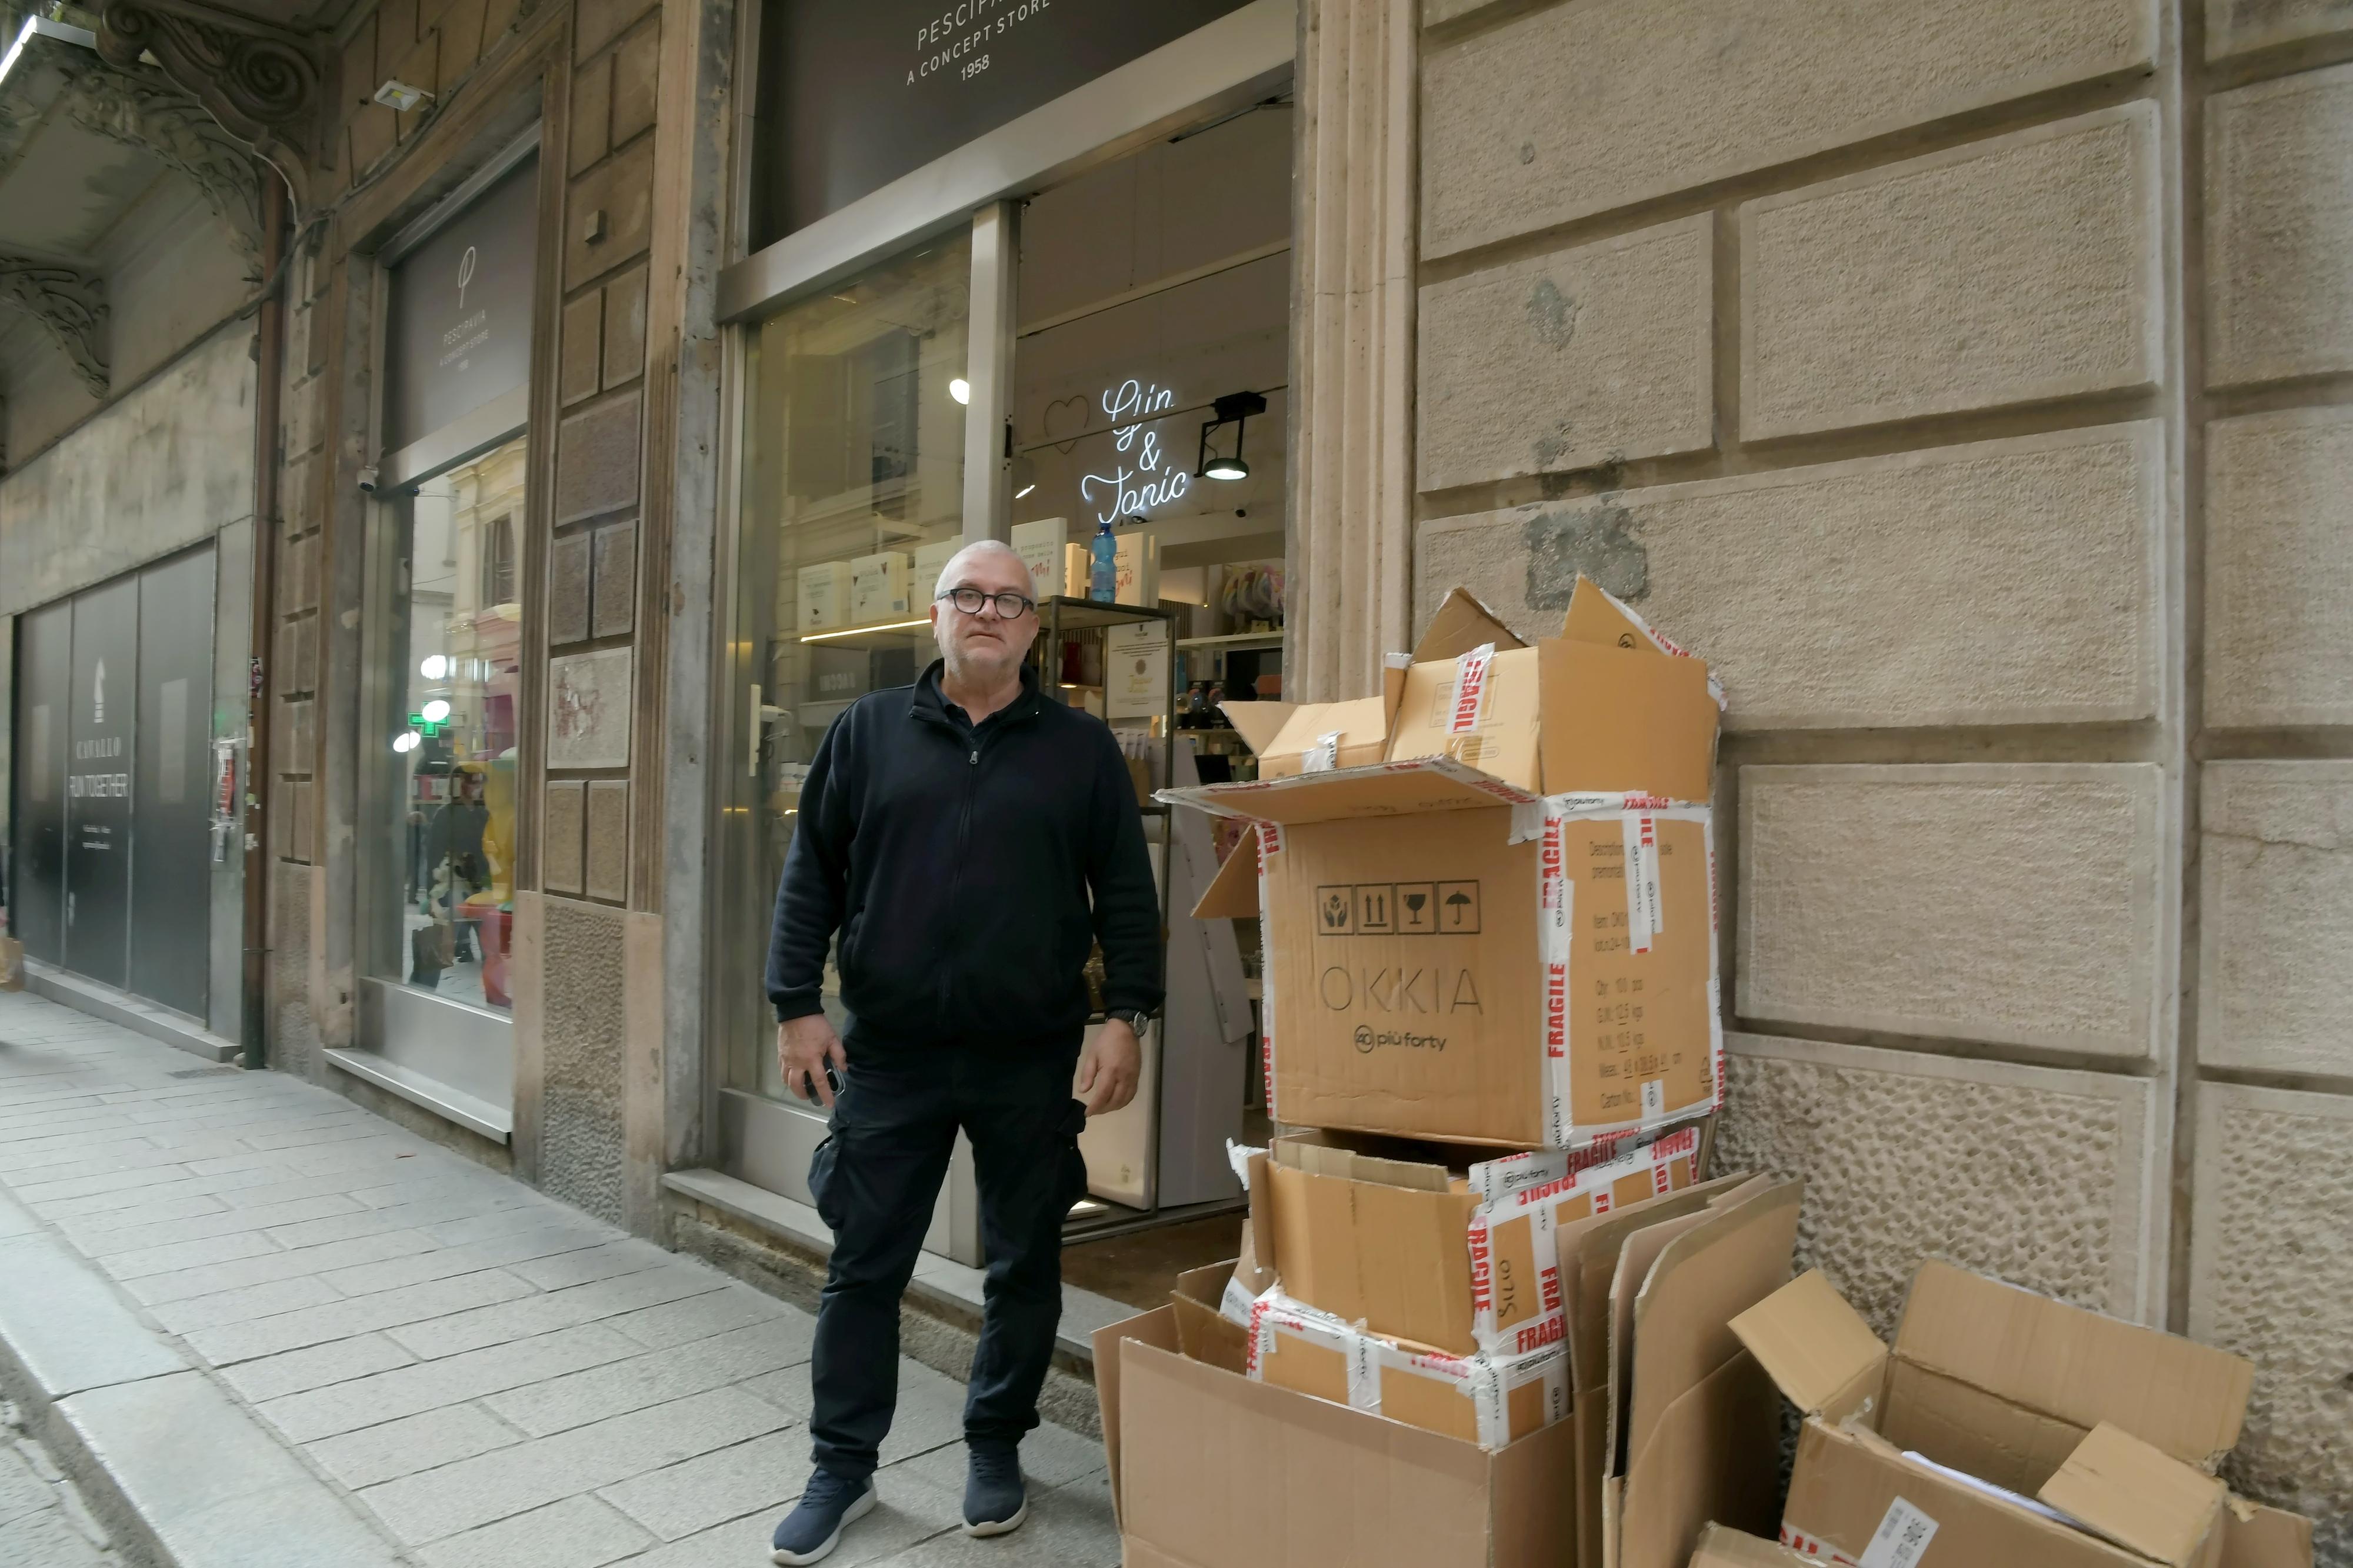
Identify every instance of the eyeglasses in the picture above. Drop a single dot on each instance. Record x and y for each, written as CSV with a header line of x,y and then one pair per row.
x,y
1011,606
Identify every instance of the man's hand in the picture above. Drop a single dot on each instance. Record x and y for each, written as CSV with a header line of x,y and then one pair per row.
x,y
1109,1070
804,1046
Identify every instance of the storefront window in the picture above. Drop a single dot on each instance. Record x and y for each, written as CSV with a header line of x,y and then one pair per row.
x,y
853,502
446,817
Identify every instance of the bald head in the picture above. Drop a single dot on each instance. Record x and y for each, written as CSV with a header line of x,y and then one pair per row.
x,y
996,552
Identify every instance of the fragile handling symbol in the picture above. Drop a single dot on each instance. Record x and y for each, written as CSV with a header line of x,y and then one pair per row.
x,y
1335,911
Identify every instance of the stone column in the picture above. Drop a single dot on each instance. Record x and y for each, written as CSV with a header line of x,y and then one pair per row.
x,y
1350,582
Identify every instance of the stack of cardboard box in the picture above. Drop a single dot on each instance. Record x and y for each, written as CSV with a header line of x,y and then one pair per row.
x,y
1483,1313
1490,1308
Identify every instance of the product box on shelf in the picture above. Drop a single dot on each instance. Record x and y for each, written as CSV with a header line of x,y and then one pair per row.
x,y
823,591
1041,544
879,587
931,560
2005,1426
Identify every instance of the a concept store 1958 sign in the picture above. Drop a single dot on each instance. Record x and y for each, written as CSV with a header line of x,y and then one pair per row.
x,y
868,91
458,321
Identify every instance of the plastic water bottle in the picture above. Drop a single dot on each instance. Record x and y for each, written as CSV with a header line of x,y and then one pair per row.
x,y
1102,572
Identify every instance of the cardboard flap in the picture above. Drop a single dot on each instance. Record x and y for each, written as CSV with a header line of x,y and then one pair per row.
x,y
1704,1278
1818,1349
1461,624
1595,617
2076,1365
2254,1536
1331,1160
1258,723
1722,1547
1713,1455
2136,1495
1232,893
1380,789
1618,721
1156,1327
1284,738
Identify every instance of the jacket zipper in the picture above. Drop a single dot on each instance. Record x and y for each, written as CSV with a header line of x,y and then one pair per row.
x,y
974,746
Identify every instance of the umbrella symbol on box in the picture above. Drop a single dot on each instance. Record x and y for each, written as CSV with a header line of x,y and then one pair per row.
x,y
1458,907
1457,902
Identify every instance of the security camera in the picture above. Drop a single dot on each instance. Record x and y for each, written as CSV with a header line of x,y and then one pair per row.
x,y
367,479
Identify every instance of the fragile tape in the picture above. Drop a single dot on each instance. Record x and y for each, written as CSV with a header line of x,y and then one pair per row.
x,y
1466,701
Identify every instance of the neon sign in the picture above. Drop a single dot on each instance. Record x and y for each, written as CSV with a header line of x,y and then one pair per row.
x,y
1148,483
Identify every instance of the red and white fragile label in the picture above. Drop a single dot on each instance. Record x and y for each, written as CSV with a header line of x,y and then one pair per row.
x,y
1467,704
1813,1546
1270,839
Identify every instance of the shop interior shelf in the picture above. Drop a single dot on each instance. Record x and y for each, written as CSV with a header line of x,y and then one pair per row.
x,y
1236,641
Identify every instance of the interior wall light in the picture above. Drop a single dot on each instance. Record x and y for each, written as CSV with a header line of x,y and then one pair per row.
x,y
1235,409
433,667
961,390
436,711
1025,475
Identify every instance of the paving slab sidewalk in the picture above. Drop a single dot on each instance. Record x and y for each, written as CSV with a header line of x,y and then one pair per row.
x,y
264,1326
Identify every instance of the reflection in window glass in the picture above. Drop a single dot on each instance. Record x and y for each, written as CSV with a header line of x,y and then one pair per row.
x,y
853,502
447,894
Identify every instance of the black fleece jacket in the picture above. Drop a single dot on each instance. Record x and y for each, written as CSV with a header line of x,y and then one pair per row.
x,y
956,862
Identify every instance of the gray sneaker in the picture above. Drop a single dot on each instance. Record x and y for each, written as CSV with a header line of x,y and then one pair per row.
x,y
828,1504
995,1502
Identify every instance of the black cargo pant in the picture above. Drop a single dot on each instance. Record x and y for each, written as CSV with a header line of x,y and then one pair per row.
x,y
876,1178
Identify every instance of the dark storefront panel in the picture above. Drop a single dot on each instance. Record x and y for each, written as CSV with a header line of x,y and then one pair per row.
x,y
104,706
859,95
37,860
170,875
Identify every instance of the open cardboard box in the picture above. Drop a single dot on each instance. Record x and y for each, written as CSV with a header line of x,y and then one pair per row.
x,y
1606,707
1426,1244
1723,1547
1995,1407
1210,1469
1513,970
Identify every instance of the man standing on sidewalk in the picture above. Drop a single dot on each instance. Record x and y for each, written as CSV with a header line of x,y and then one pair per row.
x,y
952,833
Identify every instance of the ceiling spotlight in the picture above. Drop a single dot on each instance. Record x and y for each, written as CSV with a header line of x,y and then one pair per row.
x,y
961,390
1025,475
1234,409
435,666
406,740
399,96
434,711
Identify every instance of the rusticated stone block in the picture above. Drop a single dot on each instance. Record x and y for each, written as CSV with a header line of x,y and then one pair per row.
x,y
2040,1177
608,839
616,598
636,80
622,190
2014,903
596,460
2005,271
2236,26
589,709
2279,569
2279,228
2275,874
581,1147
1826,596
625,328
567,589
560,836
1579,108
2271,1276
1561,361
577,350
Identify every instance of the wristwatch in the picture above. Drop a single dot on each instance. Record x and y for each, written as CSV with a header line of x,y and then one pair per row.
x,y
1128,1015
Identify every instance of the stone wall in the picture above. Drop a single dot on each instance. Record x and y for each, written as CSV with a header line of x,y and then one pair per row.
x,y
588,883
1970,384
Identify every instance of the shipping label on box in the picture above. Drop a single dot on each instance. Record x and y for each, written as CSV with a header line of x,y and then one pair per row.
x,y
877,586
824,594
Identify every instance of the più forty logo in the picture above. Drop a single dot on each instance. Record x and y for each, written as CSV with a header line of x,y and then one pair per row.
x,y
1369,1040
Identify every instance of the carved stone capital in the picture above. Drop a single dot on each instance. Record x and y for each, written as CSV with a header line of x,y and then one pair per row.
x,y
71,305
261,83
142,107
